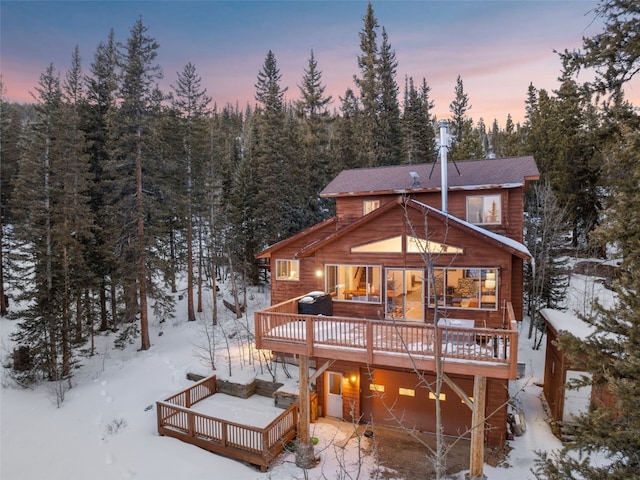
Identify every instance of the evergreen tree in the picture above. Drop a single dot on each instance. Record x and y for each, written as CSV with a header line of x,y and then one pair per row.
x,y
388,131
512,139
418,132
611,354
614,53
101,91
459,108
471,145
368,62
191,102
130,137
607,437
54,226
347,150
315,155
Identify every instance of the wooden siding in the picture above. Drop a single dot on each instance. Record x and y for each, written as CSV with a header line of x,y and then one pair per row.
x,y
477,253
349,209
354,395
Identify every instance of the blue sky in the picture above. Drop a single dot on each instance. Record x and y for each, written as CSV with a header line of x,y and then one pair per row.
x,y
498,47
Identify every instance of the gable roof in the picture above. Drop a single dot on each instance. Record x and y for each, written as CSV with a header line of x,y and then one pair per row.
x,y
266,253
508,244
474,175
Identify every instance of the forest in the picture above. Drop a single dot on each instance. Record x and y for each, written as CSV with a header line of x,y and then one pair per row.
x,y
112,190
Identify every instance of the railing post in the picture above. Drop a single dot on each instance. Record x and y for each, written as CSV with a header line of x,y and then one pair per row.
x,y
369,340
309,335
191,422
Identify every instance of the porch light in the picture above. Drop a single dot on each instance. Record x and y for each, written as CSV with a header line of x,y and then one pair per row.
x,y
318,273
353,379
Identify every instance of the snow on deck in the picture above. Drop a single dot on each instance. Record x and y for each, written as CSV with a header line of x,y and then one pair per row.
x,y
255,411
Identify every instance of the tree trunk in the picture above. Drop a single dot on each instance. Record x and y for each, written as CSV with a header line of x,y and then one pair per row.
x,y
104,320
145,341
3,297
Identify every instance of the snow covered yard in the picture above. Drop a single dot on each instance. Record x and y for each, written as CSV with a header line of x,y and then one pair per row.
x,y
106,427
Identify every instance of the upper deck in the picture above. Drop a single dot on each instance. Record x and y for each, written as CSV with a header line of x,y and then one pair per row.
x,y
463,349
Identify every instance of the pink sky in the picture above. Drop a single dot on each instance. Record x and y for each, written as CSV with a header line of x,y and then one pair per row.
x,y
497,47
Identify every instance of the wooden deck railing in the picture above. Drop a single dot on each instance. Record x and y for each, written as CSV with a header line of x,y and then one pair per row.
x,y
473,351
258,446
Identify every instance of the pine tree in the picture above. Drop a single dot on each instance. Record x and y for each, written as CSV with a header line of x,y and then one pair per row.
x,y
614,53
368,62
130,137
101,90
50,199
191,102
388,132
418,133
10,133
315,155
607,437
459,108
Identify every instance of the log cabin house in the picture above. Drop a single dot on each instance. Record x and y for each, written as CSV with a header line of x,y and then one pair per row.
x,y
414,266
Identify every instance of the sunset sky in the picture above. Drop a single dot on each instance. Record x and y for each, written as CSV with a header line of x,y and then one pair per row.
x,y
497,47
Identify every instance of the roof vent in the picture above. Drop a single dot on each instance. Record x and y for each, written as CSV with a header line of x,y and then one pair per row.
x,y
416,179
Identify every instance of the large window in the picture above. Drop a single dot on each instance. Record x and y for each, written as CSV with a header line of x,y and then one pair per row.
x,y
288,270
354,283
484,209
464,288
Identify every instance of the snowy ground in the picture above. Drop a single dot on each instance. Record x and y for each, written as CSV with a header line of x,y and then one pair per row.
x,y
106,427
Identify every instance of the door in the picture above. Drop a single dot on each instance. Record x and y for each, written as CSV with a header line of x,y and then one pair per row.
x,y
333,385
405,294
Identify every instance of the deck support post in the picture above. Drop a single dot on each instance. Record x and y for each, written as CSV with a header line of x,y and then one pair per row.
x,y
477,428
305,457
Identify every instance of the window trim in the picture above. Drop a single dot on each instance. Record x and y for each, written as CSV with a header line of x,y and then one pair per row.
x,y
369,206
482,277
334,290
290,262
482,212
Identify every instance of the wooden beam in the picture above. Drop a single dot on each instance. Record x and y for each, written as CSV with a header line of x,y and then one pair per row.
x,y
477,427
305,457
320,371
454,386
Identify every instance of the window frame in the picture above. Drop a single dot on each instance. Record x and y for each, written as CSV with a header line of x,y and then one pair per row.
x,y
372,293
483,211
289,262
484,291
369,206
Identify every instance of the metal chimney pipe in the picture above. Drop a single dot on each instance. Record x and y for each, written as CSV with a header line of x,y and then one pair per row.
x,y
444,125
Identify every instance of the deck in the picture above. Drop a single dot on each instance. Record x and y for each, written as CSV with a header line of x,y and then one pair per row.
x,y
487,352
258,446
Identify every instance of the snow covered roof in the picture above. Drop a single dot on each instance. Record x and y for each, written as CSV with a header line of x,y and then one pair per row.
x,y
567,322
481,174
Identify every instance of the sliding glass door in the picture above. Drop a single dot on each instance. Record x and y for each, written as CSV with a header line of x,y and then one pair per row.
x,y
405,294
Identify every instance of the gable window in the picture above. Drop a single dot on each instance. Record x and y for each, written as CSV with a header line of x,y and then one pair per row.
x,y
484,209
413,245
354,283
475,288
369,206
288,270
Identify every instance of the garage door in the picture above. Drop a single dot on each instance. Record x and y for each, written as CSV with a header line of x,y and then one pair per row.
x,y
391,396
